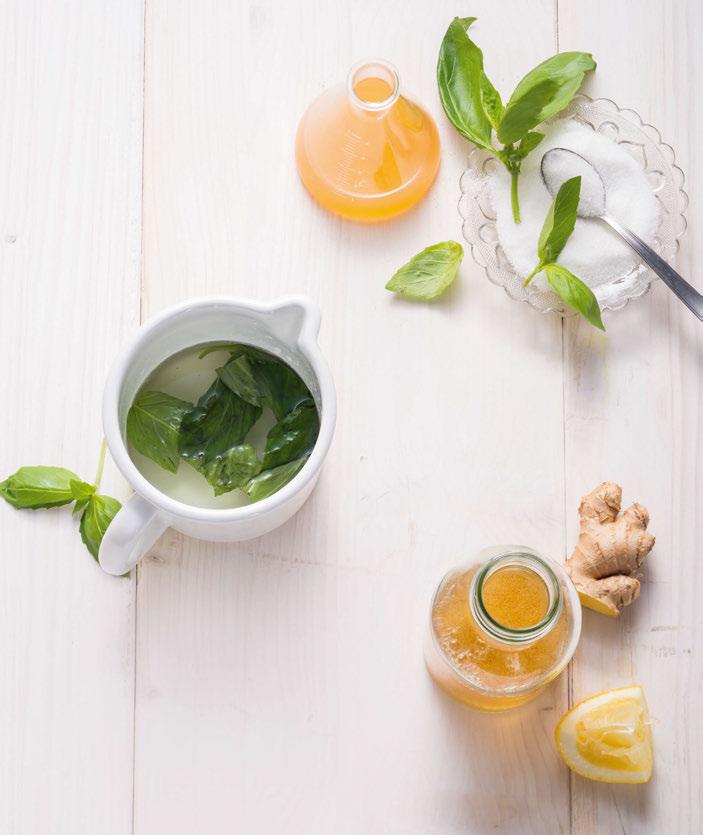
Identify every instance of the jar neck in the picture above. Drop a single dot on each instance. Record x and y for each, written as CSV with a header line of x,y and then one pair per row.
x,y
506,634
373,86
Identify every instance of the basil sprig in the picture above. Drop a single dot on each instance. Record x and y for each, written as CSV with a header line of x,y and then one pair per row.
x,y
33,488
428,274
474,107
556,230
210,435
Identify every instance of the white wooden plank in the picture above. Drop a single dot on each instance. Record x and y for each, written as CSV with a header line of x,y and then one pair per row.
x,y
70,204
280,684
634,414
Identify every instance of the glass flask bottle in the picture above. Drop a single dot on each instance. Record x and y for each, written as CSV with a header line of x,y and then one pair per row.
x,y
363,150
502,627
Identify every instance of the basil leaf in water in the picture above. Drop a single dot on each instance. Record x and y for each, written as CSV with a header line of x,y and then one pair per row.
x,y
219,421
41,487
153,427
238,377
232,469
98,514
474,106
293,436
269,481
429,273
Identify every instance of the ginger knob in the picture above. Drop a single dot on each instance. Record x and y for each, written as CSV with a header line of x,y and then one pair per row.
x,y
610,547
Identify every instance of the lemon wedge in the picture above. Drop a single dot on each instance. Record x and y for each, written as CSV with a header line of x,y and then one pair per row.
x,y
608,737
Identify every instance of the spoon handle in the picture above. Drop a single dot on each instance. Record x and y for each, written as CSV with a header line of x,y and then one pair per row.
x,y
678,285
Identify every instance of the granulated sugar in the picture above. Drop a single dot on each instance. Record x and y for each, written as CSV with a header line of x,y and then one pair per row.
x,y
594,252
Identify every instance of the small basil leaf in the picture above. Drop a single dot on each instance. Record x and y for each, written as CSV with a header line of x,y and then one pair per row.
x,y
79,506
491,101
292,437
575,293
528,143
460,78
96,518
269,481
524,113
543,92
153,427
35,487
81,489
232,469
238,377
429,273
280,387
219,421
560,220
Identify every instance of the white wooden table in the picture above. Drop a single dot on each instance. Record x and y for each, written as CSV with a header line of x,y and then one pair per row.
x,y
146,156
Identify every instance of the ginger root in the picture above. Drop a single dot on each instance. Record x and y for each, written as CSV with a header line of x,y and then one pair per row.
x,y
609,549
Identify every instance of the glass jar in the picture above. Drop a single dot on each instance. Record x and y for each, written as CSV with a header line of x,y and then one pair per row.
x,y
363,150
502,627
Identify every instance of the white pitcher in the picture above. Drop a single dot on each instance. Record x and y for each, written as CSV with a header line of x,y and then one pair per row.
x,y
287,328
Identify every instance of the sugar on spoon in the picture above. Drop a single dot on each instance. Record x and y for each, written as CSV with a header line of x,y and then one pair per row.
x,y
592,204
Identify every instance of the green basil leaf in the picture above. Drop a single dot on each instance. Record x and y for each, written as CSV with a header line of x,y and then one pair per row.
x,y
281,389
292,437
269,481
528,143
524,113
544,92
81,490
460,78
232,469
575,293
219,421
153,427
559,222
491,101
429,273
35,487
96,518
79,506
238,377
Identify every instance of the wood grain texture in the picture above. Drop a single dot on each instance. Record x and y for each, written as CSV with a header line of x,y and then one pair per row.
x,y
280,683
634,414
70,204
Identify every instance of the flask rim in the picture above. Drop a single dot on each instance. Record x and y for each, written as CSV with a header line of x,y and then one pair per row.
x,y
377,68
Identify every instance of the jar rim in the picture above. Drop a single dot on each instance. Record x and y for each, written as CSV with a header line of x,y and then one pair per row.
x,y
374,69
514,635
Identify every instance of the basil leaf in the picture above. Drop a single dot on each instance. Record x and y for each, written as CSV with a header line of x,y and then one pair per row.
x,y
528,143
523,114
81,490
219,421
543,92
575,293
491,101
460,78
269,481
96,518
292,437
238,377
429,273
153,427
35,487
560,220
232,469
281,389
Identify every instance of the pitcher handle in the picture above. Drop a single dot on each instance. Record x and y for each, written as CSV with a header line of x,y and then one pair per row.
x,y
131,533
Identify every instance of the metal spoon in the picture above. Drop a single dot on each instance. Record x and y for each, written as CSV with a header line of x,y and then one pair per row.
x,y
592,204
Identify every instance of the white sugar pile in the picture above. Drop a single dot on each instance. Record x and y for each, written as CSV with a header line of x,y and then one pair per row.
x,y
593,252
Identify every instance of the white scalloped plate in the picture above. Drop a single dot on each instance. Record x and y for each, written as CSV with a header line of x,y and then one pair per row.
x,y
643,142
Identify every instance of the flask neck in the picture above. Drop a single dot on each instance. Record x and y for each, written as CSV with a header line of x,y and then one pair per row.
x,y
521,606
373,86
